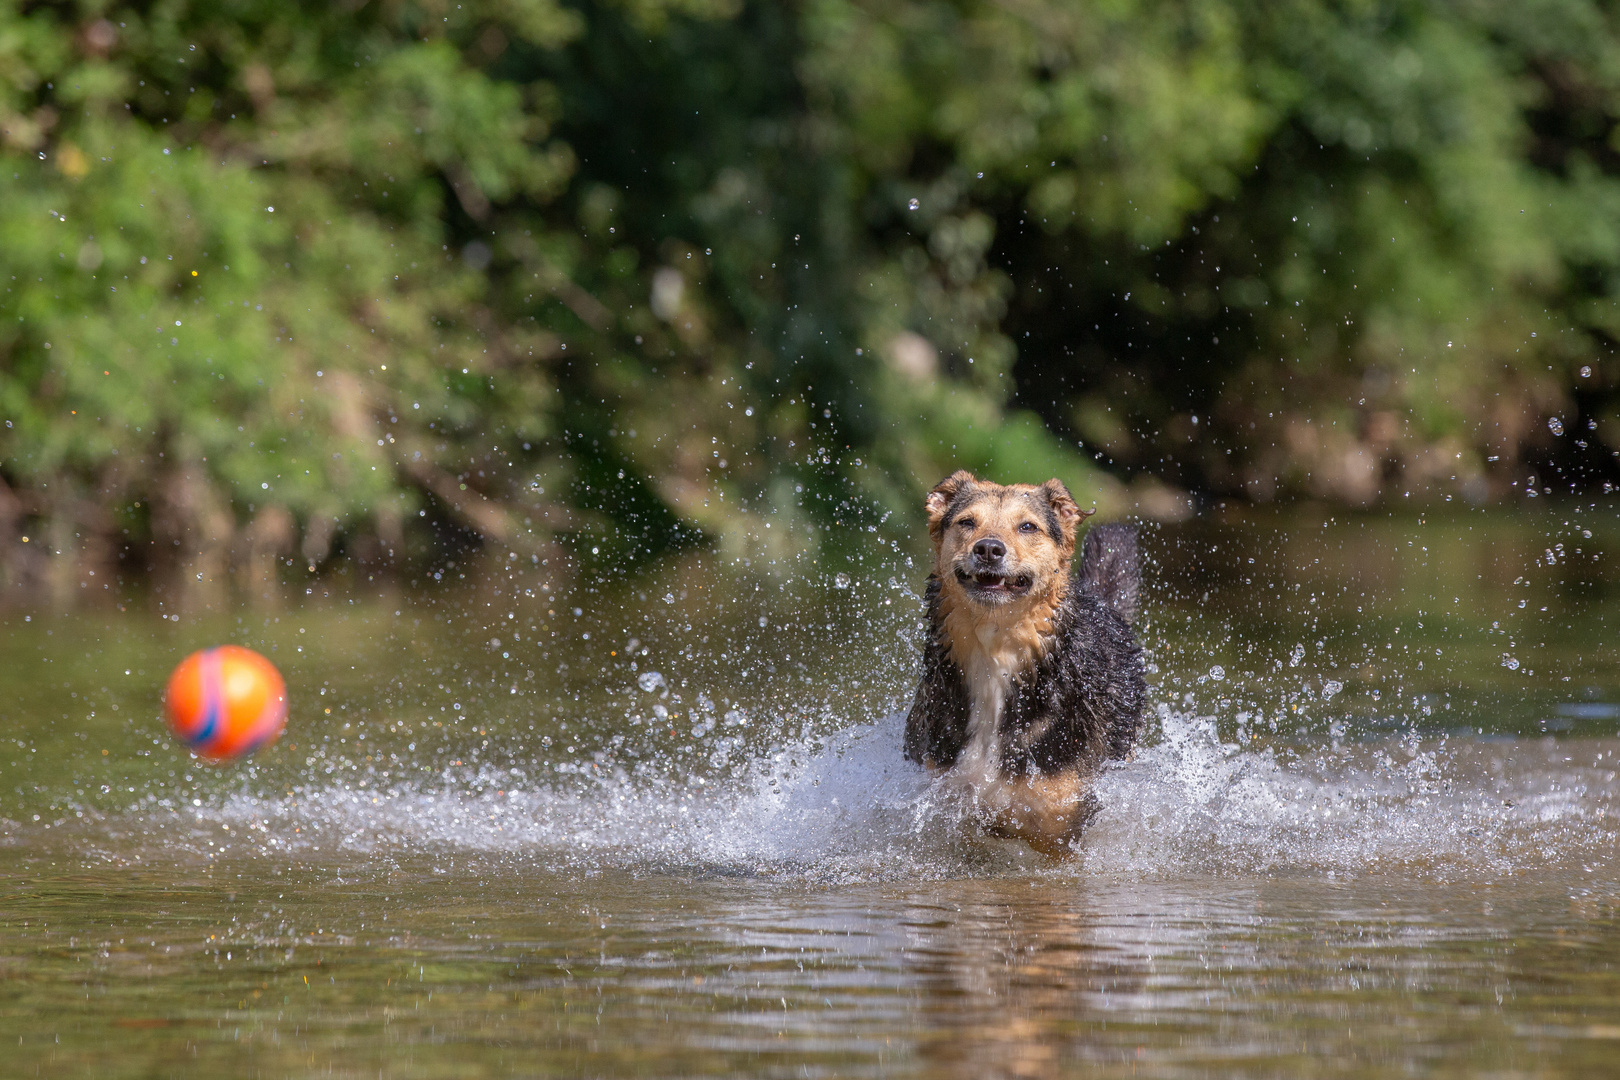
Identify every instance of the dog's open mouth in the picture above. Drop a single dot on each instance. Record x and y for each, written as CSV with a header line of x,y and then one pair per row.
x,y
990,583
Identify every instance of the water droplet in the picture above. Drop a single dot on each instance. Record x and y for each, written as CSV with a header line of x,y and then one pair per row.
x,y
650,680
914,204
1555,425
1217,673
1331,687
841,580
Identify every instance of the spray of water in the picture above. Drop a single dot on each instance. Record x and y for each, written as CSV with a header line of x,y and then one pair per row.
x,y
851,808
1323,751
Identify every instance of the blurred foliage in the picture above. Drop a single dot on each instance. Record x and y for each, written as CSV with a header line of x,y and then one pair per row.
x,y
283,280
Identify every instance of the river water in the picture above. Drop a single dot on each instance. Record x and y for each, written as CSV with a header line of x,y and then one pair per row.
x,y
535,819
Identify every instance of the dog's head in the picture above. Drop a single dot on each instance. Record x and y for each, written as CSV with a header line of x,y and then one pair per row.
x,y
999,544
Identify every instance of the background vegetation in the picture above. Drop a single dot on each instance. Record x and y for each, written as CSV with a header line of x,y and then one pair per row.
x,y
285,280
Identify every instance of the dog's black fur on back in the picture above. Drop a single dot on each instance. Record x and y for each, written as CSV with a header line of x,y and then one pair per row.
x,y
1089,683
1110,568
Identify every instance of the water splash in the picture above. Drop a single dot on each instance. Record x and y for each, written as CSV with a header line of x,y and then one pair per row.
x,y
851,808
1446,807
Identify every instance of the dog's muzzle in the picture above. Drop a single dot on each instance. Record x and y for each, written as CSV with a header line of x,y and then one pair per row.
x,y
992,584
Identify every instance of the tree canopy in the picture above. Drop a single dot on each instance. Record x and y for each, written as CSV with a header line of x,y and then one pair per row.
x,y
285,279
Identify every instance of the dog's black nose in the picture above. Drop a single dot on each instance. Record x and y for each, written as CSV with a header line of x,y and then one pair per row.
x,y
990,550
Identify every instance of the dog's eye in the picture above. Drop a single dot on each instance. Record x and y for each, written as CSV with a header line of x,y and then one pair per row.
x,y
1029,527
966,523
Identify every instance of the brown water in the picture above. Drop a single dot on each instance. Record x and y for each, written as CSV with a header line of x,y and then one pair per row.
x,y
1371,833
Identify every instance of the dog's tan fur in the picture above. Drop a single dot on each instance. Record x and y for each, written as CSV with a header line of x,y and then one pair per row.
x,y
1019,628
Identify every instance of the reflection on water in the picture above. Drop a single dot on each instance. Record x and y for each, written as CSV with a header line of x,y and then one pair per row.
x,y
472,967
533,822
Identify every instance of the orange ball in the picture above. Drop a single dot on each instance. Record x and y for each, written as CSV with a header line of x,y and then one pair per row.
x,y
225,703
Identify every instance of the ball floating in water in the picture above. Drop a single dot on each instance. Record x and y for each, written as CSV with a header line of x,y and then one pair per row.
x,y
225,703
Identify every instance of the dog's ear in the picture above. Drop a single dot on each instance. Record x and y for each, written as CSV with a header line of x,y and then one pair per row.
x,y
1065,510
939,500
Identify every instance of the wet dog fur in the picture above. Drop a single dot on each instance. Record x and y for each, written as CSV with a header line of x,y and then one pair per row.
x,y
1031,676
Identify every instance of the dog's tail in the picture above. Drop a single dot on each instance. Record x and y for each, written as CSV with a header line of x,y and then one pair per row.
x,y
1110,568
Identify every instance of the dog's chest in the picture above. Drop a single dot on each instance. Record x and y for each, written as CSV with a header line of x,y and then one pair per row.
x,y
993,661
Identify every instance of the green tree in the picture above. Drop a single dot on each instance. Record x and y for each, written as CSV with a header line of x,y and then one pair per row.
x,y
286,279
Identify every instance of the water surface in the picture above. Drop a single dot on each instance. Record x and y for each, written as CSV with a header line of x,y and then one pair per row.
x,y
545,820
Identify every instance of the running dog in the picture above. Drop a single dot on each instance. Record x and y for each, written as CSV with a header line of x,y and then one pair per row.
x,y
1031,676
